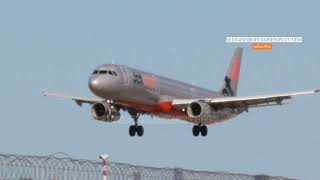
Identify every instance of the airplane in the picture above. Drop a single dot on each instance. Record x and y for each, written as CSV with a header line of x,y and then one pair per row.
x,y
119,87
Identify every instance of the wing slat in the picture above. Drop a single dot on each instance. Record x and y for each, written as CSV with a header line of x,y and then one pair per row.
x,y
78,99
244,101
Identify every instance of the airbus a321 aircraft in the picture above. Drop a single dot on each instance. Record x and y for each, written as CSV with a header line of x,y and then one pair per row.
x,y
119,87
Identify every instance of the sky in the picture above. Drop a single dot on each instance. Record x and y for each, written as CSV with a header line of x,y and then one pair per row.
x,y
55,45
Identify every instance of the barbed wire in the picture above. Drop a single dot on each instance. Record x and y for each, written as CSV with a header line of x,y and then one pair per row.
x,y
60,166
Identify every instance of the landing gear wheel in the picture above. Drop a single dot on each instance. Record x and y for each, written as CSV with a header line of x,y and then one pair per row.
x,y
140,130
196,130
135,129
132,130
204,130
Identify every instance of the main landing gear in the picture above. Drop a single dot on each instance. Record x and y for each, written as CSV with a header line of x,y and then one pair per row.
x,y
197,129
135,129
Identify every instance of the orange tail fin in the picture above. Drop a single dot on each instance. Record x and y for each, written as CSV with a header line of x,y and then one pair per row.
x,y
231,79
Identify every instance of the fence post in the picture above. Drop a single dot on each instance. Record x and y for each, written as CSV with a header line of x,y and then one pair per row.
x,y
104,158
137,175
178,174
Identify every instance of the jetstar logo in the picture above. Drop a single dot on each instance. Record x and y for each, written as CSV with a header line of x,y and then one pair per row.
x,y
227,90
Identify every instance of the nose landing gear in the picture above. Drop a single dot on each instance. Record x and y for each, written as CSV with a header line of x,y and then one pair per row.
x,y
135,129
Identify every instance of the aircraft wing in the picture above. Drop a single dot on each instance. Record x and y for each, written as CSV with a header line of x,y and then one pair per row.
x,y
244,101
78,99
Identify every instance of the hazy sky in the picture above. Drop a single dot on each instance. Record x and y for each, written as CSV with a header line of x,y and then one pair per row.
x,y
55,45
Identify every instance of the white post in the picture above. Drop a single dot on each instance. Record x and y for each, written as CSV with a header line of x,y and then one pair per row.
x,y
104,159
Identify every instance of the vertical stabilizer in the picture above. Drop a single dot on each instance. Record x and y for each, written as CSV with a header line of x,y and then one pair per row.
x,y
230,84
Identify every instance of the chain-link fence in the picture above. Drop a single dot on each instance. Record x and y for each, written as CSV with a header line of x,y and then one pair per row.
x,y
60,166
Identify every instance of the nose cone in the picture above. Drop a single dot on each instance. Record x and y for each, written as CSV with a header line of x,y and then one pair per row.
x,y
105,85
95,84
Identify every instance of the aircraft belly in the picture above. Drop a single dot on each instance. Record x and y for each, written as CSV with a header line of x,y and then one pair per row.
x,y
212,119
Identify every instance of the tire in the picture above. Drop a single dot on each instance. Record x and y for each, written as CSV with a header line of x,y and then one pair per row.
x,y
204,130
132,131
140,130
196,130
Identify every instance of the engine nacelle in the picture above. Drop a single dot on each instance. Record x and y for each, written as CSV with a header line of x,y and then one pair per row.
x,y
105,112
199,108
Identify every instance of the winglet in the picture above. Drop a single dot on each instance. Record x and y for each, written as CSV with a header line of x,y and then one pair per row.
x,y
45,92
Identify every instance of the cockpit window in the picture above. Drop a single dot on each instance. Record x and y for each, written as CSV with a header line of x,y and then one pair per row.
x,y
112,73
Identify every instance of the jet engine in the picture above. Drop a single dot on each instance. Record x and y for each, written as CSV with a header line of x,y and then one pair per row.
x,y
199,108
105,112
